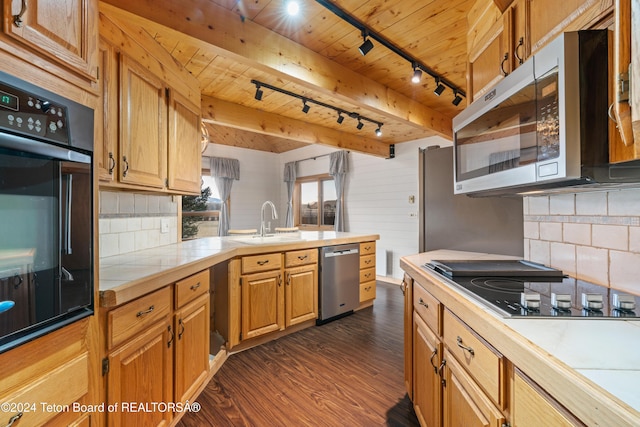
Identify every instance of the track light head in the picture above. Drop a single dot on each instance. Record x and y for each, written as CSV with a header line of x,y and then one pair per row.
x,y
367,45
340,118
259,93
456,99
439,88
305,106
360,124
417,74
379,130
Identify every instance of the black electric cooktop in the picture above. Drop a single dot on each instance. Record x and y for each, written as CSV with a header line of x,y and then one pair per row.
x,y
517,288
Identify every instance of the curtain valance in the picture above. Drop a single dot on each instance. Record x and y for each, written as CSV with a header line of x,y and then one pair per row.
x,y
222,167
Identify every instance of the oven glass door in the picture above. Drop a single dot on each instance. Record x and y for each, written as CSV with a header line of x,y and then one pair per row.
x,y
520,130
45,240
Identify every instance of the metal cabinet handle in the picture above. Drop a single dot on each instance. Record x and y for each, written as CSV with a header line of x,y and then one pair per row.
x,y
17,281
515,53
367,261
17,19
421,302
462,346
194,287
302,257
440,373
181,329
434,354
506,56
403,287
15,418
126,165
112,163
172,336
368,288
288,279
263,262
147,311
279,279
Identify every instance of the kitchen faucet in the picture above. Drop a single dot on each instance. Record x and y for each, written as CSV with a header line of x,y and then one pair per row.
x,y
274,215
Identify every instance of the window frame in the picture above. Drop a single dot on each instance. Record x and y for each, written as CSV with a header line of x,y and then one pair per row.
x,y
319,179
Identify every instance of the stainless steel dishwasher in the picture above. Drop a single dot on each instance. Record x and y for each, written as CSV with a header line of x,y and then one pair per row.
x,y
339,286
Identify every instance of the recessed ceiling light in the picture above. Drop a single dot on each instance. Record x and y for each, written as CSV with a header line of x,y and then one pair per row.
x,y
293,8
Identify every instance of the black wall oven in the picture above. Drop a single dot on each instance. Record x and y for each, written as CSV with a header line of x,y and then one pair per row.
x,y
46,212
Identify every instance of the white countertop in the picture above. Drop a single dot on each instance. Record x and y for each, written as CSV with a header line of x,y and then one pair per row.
x,y
128,276
605,352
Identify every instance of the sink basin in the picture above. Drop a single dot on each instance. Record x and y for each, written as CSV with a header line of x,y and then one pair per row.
x,y
267,239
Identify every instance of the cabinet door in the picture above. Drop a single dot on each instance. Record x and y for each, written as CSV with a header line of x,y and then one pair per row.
x,y
142,371
407,291
532,406
301,294
490,62
184,145
192,347
143,126
64,31
427,391
262,303
464,403
107,135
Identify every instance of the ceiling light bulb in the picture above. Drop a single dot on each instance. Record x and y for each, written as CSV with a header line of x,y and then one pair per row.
x,y
293,8
439,88
367,45
305,107
360,124
379,131
417,75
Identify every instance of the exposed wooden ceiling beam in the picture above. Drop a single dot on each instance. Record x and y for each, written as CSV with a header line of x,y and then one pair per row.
x,y
237,116
254,45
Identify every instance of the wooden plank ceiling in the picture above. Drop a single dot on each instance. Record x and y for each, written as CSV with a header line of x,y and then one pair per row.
x,y
228,43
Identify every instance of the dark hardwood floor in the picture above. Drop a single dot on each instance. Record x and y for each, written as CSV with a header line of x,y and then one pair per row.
x,y
348,372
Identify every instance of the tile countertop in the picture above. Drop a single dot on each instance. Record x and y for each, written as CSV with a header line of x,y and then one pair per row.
x,y
597,361
129,276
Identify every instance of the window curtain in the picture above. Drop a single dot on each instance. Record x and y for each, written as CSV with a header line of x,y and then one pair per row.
x,y
224,171
290,179
338,168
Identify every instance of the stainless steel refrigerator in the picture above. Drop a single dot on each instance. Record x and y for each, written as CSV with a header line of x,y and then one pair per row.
x,y
460,222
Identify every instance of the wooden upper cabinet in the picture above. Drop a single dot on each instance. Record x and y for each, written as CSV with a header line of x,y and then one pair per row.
x,y
143,124
63,31
184,144
106,153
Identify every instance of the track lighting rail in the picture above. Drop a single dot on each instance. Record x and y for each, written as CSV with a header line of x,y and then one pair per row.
x,y
368,34
306,101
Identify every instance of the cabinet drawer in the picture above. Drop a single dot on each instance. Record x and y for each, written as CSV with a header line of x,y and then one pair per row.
x,y
484,364
126,321
295,258
367,275
367,248
265,262
367,291
367,261
427,306
62,386
191,288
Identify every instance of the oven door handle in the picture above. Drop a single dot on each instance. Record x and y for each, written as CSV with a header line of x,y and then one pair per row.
x,y
68,198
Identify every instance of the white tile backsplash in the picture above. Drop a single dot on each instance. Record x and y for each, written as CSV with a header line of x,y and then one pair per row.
x,y
130,222
590,235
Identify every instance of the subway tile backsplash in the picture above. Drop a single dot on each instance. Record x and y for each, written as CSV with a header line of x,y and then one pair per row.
x,y
594,236
129,222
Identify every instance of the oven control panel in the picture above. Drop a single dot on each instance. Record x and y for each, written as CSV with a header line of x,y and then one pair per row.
x,y
32,116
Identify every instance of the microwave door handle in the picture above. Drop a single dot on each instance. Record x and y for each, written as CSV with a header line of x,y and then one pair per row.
x,y
67,250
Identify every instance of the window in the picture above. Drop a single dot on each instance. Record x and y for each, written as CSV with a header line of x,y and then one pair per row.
x,y
315,202
201,214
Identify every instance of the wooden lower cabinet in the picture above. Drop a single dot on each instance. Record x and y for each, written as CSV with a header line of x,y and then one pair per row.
x,y
532,407
464,403
301,294
262,303
427,391
407,291
191,325
141,373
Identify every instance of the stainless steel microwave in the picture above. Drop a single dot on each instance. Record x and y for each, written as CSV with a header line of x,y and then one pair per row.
x,y
544,125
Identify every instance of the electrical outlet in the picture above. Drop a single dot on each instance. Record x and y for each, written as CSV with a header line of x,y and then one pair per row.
x,y
164,225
